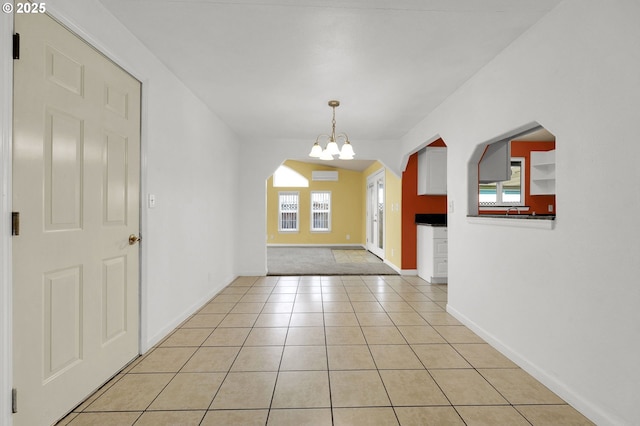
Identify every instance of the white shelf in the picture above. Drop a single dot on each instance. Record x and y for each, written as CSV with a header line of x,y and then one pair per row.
x,y
543,173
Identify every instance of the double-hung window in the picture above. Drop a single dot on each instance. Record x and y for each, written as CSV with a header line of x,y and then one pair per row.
x,y
505,193
320,211
288,211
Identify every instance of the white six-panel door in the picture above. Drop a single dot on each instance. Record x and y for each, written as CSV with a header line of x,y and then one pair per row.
x,y
76,174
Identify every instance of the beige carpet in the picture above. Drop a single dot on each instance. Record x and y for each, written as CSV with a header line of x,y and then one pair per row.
x,y
324,261
354,256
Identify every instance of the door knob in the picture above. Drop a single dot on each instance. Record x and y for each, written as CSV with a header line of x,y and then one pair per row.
x,y
133,238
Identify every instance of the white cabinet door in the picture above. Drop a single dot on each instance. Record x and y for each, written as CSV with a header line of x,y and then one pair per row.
x,y
495,165
422,251
441,269
432,171
436,183
432,253
422,172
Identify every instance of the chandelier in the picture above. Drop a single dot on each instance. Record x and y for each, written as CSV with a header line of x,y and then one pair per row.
x,y
331,150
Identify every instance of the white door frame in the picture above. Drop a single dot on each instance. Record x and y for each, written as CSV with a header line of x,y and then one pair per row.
x,y
374,177
6,294
6,143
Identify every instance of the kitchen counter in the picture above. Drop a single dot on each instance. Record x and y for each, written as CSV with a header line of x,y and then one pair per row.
x,y
431,219
517,216
517,221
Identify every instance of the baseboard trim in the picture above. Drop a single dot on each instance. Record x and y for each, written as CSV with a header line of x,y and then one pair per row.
x,y
164,332
355,246
392,266
588,408
252,274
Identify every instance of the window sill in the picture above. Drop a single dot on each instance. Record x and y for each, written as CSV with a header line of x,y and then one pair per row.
x,y
538,222
503,208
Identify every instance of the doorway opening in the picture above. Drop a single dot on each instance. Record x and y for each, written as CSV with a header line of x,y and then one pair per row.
x,y
375,213
317,223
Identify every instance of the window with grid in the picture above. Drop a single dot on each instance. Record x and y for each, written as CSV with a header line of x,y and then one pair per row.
x,y
507,193
321,211
288,208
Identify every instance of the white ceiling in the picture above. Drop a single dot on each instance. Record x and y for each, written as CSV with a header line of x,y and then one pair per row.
x,y
268,67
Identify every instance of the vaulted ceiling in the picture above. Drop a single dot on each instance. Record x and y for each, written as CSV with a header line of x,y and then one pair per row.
x,y
268,67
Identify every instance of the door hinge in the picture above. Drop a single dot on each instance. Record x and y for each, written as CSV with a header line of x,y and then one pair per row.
x,y
16,46
15,223
14,400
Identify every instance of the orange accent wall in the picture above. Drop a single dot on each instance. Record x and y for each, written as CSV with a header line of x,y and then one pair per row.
x,y
536,203
412,203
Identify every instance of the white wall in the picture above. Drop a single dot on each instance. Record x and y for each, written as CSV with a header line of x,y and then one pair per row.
x,y
190,236
563,303
260,158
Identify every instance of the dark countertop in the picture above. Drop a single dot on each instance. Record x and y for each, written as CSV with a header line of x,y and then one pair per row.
x,y
431,219
516,216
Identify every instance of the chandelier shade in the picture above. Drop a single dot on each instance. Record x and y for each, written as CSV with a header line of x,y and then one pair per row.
x,y
326,155
331,149
346,153
316,150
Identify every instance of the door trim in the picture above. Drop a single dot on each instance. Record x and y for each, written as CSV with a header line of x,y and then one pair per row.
x,y
6,293
6,193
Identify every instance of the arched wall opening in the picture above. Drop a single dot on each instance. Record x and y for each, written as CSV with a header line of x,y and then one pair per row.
x,y
514,175
414,203
260,160
343,184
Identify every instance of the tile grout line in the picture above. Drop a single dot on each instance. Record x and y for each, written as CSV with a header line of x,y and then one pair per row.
x,y
201,345
326,351
234,359
273,393
429,372
336,290
384,386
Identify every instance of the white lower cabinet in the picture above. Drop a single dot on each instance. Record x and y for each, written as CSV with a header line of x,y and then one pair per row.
x,y
432,253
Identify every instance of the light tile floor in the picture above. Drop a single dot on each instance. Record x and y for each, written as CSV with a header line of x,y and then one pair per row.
x,y
343,350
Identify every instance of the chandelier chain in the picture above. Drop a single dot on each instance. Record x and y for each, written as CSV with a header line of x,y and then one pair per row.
x,y
333,124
